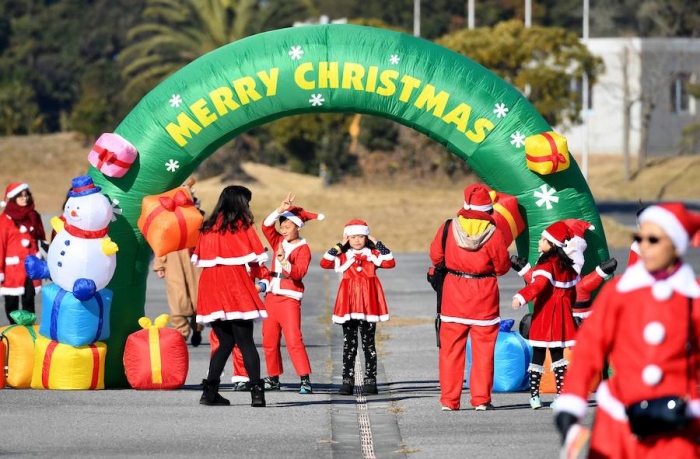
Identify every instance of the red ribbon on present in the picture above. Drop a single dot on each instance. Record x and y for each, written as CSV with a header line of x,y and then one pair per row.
x,y
172,205
109,157
46,366
556,158
179,200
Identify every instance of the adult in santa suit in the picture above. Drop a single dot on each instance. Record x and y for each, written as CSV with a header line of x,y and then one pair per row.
x,y
21,230
228,299
643,322
475,253
285,291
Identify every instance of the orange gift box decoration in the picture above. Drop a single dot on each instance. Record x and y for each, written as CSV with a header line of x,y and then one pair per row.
x,y
170,221
18,354
156,357
507,215
547,153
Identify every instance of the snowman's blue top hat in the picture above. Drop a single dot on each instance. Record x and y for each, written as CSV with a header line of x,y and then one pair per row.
x,y
83,186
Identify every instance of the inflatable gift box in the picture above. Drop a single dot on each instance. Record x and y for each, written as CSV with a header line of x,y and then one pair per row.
x,y
64,367
18,354
547,153
156,357
511,360
112,155
170,221
507,215
70,321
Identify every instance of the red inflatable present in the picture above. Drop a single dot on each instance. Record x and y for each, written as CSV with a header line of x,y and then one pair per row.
x,y
507,215
156,357
170,221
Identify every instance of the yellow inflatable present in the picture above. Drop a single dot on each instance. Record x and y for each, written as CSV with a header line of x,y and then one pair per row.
x,y
64,367
547,153
19,347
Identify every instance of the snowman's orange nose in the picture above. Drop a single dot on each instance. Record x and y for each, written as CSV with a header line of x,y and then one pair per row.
x,y
73,213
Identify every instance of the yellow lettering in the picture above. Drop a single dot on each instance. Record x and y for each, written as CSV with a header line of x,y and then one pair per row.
x,y
300,76
387,78
352,74
372,79
245,90
481,127
328,75
270,81
223,100
201,111
182,129
409,84
436,103
459,116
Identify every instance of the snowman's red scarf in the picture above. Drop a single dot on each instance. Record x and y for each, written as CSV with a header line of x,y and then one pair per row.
x,y
84,234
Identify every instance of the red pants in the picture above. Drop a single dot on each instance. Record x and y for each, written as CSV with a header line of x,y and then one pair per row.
x,y
612,439
453,349
283,318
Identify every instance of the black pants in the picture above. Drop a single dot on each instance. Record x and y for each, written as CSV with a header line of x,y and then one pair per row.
x,y
230,333
12,301
350,344
540,353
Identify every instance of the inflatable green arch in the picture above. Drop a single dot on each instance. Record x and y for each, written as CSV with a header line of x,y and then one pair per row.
x,y
329,68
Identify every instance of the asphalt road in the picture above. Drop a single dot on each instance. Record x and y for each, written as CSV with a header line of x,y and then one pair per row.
x,y
403,420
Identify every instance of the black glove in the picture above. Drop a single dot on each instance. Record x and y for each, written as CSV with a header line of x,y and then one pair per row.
x,y
563,422
382,248
517,263
609,266
336,249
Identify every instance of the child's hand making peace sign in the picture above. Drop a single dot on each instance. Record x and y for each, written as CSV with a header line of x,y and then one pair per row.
x,y
287,203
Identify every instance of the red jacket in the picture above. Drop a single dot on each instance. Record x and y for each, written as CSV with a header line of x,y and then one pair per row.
x,y
471,301
15,246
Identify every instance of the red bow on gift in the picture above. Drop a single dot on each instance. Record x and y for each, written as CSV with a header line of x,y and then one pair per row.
x,y
358,261
179,200
109,157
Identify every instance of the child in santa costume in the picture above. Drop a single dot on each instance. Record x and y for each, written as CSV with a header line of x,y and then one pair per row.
x,y
647,323
360,302
553,288
475,253
284,292
21,231
228,299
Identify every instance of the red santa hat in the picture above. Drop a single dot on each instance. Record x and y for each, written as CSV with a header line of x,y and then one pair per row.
x,y
356,227
677,222
299,216
12,190
557,233
477,197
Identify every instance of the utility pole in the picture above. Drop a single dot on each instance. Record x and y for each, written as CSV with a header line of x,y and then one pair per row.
x,y
528,13
585,96
416,18
470,14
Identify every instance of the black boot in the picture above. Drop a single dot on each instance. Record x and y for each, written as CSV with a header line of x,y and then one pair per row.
x,y
211,396
347,387
257,395
369,387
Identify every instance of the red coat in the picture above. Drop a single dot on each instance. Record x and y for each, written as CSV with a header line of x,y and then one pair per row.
x,y
298,258
360,295
471,301
554,292
15,247
226,291
641,325
587,285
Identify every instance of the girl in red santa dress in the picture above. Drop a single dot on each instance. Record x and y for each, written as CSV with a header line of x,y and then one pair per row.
x,y
21,231
228,298
552,288
360,302
646,322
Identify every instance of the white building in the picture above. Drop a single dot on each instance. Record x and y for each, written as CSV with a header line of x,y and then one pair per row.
x,y
647,76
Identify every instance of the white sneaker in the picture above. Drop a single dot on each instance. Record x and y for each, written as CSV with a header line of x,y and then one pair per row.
x,y
535,403
446,408
484,407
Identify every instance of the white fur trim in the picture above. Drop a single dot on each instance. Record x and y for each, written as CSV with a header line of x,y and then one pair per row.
x,y
600,272
573,404
276,290
461,320
682,281
251,257
551,239
559,363
582,315
558,284
293,218
255,316
17,190
520,298
654,333
669,223
652,375
608,403
7,291
536,368
329,257
2,277
271,219
359,316
484,208
10,261
525,269
550,344
356,230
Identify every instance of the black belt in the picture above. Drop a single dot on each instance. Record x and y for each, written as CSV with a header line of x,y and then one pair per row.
x,y
470,275
278,275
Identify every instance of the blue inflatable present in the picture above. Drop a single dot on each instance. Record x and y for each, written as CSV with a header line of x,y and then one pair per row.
x,y
70,321
511,360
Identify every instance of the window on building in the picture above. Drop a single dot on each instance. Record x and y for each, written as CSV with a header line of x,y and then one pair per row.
x,y
577,87
680,98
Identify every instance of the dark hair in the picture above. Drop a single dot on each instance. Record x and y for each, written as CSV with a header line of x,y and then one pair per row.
x,y
368,243
30,198
562,259
232,211
641,208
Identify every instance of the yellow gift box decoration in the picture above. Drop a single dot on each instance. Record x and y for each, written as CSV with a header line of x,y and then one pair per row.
x,y
60,366
547,153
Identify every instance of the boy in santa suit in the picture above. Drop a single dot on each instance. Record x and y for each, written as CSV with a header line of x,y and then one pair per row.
x,y
285,290
646,322
475,253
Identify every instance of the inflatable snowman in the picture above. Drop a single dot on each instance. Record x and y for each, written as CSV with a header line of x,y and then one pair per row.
x,y
81,258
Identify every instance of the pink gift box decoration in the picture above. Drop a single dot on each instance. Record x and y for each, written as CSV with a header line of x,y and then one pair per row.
x,y
112,155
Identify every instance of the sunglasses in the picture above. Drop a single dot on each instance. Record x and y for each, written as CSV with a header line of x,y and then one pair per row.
x,y
651,239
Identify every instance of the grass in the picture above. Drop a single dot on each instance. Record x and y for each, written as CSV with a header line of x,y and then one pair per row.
x,y
400,212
